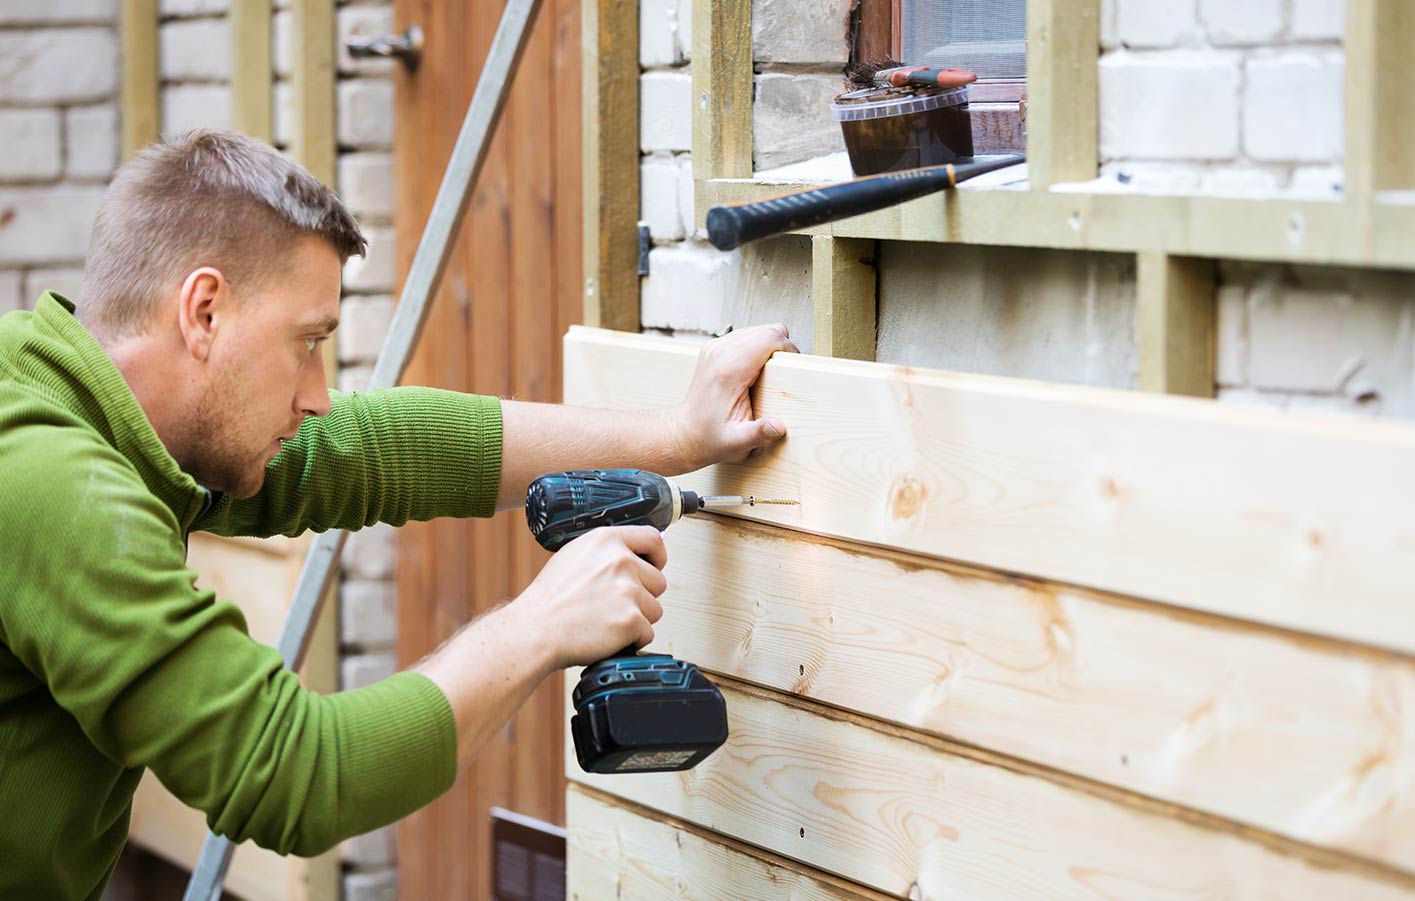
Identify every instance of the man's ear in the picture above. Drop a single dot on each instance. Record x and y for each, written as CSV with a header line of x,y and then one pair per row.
x,y
202,309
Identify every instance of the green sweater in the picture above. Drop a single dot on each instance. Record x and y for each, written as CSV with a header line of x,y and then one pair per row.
x,y
111,661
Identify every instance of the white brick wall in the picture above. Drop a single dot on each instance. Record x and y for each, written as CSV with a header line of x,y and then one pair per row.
x,y
791,119
691,287
195,50
1240,95
58,65
32,149
665,33
665,111
799,31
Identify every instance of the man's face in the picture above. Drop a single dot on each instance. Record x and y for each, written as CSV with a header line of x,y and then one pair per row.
x,y
265,372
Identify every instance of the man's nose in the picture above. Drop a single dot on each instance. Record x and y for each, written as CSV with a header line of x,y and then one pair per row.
x,y
312,398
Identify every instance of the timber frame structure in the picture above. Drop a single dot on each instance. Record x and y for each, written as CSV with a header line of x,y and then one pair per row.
x,y
1024,639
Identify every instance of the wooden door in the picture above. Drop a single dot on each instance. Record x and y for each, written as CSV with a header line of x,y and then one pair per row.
x,y
511,290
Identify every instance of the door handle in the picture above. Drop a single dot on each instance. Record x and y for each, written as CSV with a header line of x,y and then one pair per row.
x,y
406,47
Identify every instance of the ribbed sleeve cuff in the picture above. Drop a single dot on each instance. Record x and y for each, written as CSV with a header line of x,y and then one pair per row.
x,y
485,475
399,749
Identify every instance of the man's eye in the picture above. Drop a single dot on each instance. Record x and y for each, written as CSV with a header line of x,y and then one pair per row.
x,y
311,344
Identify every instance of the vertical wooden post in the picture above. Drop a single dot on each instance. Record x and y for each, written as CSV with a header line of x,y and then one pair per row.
x,y
252,69
140,113
1380,120
1063,47
1174,322
722,92
313,141
610,44
843,295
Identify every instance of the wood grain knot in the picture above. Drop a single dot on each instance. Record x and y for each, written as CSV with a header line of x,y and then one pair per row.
x,y
906,497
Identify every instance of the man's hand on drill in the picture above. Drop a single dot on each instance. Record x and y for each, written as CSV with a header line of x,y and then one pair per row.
x,y
714,423
598,594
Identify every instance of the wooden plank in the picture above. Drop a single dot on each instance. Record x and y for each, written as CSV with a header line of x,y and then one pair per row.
x,y
1174,319
1063,46
610,97
252,78
139,112
1372,234
1187,709
843,297
1380,120
924,818
617,850
722,92
313,141
1300,522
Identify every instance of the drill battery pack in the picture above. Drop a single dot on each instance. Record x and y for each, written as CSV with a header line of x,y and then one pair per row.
x,y
646,714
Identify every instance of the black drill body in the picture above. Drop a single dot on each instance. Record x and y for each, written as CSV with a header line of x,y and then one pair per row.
x,y
634,713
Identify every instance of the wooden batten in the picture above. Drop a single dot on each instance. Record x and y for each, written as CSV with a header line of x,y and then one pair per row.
x,y
618,849
722,95
1174,320
1186,709
1063,47
252,69
925,819
1108,489
843,297
1380,119
610,102
140,110
313,140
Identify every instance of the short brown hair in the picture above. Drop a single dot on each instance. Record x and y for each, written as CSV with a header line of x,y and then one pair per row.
x,y
203,198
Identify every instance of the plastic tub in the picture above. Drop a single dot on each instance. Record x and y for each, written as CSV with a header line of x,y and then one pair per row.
x,y
892,128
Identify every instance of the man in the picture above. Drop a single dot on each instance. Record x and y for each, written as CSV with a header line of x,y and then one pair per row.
x,y
185,391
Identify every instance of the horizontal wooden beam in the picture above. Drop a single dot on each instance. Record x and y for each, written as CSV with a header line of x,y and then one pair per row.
x,y
1312,232
619,850
1298,522
926,819
1187,709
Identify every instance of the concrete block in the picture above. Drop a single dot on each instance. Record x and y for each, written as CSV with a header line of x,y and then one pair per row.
x,y
57,12
69,65
370,553
43,225
368,614
775,286
1231,340
373,273
1242,24
195,106
1157,23
800,31
1174,106
1322,181
363,324
12,292
1240,181
32,149
284,113
1334,331
791,119
366,669
1293,106
1155,178
355,378
195,50
67,280
378,848
685,194
1319,20
91,145
659,197
366,184
1024,312
168,8
689,286
363,21
382,886
665,33
665,111
366,113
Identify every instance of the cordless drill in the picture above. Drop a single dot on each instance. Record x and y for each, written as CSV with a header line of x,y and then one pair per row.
x,y
634,713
